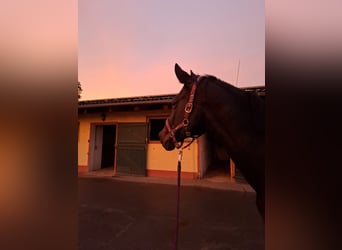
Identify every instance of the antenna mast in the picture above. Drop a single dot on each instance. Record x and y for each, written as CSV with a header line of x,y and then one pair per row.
x,y
237,75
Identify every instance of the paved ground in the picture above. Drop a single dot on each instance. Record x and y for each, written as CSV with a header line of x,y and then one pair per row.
x,y
139,213
216,180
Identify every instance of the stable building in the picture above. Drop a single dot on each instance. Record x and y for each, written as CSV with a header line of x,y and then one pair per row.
x,y
121,134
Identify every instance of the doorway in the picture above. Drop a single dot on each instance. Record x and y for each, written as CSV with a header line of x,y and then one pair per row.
x,y
102,146
214,161
108,146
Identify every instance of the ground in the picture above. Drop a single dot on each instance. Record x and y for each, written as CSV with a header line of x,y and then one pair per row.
x,y
116,214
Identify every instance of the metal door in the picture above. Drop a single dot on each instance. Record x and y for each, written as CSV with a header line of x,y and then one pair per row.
x,y
95,147
131,149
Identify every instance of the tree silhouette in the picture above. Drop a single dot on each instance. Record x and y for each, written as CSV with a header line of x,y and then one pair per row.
x,y
79,89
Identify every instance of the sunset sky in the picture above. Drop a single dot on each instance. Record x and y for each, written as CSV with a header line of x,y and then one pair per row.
x,y
128,48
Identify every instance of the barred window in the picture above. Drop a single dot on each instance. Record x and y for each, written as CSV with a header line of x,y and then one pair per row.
x,y
156,125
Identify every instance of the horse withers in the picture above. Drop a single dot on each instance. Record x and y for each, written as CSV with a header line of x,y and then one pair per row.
x,y
232,117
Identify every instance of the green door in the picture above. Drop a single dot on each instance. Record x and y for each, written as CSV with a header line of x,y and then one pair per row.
x,y
131,149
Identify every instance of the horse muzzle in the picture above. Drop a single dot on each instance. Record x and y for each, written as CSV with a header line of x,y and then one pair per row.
x,y
168,140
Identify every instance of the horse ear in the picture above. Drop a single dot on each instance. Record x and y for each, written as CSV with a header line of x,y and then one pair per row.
x,y
182,76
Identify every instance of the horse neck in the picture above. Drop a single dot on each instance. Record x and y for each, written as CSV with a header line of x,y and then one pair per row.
x,y
228,117
229,120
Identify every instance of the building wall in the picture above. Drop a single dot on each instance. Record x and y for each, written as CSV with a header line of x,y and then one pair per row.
x,y
159,161
86,120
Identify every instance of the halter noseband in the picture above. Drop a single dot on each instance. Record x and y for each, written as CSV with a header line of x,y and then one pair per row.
x,y
185,122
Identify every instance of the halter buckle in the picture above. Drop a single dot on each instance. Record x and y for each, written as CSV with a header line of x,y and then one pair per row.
x,y
188,107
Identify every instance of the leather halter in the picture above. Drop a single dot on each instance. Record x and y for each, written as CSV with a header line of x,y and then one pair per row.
x,y
187,110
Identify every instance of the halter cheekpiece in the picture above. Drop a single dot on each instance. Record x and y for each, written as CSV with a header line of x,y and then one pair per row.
x,y
185,123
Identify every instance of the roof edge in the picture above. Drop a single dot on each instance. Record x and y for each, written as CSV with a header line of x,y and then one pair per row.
x,y
151,99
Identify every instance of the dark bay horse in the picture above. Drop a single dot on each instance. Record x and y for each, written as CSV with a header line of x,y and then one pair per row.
x,y
232,117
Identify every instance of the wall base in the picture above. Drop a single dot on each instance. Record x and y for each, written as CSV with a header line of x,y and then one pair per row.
x,y
82,169
171,174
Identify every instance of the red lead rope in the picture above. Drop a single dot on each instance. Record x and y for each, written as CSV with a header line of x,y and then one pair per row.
x,y
179,170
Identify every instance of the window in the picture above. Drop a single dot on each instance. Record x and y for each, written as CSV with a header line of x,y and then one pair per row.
x,y
156,124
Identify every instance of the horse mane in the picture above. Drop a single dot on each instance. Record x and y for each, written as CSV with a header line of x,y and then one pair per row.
x,y
255,102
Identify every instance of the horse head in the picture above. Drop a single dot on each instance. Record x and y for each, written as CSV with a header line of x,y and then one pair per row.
x,y
185,118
